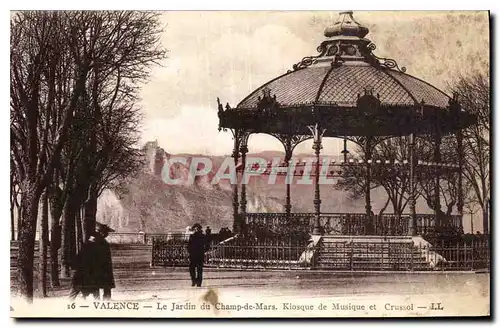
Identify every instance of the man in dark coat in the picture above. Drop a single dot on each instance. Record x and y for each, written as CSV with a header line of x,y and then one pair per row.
x,y
196,250
82,280
94,269
104,265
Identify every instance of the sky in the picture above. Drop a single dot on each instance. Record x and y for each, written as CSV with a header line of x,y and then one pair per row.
x,y
229,54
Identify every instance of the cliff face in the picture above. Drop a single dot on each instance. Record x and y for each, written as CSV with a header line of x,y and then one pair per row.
x,y
146,203
149,205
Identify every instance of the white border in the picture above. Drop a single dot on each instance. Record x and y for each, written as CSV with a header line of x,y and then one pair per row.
x,y
193,5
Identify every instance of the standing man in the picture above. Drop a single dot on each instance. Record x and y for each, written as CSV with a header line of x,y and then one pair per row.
x,y
196,250
103,266
83,275
94,269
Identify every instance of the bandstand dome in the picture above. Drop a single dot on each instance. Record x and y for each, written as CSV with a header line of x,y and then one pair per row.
x,y
350,90
324,84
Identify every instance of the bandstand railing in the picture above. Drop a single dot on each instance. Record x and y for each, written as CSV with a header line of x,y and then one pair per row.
x,y
292,253
354,224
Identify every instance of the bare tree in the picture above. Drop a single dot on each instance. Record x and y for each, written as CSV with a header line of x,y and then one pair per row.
x,y
354,176
70,70
428,177
474,96
39,120
394,178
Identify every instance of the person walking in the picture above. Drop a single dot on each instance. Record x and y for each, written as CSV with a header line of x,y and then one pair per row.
x,y
83,276
103,266
196,250
94,268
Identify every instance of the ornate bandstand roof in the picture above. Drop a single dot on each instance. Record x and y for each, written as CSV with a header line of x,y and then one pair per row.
x,y
349,90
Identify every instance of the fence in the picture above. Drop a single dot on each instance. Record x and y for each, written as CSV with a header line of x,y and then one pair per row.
x,y
354,224
275,253
147,238
296,254
171,249
472,255
234,252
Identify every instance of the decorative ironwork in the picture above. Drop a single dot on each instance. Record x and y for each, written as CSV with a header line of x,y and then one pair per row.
x,y
290,141
305,62
341,253
243,152
274,224
389,63
220,114
371,46
170,251
275,253
309,60
267,104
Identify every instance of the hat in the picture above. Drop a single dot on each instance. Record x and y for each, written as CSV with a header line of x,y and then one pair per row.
x,y
196,225
103,227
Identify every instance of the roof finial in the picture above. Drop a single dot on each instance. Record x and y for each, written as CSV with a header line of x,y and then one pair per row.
x,y
346,25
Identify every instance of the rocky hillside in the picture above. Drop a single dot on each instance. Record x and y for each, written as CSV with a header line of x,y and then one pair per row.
x,y
147,204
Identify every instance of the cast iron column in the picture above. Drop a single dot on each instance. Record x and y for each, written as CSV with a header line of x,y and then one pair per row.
x,y
317,200
412,202
345,151
288,156
368,206
235,155
243,202
460,151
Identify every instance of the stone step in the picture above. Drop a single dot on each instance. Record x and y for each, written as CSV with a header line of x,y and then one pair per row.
x,y
368,239
369,253
376,268
373,263
385,254
359,248
391,259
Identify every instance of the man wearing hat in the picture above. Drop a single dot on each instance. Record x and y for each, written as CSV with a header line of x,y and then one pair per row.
x,y
94,269
196,249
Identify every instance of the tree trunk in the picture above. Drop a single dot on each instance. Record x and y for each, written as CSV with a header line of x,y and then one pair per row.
x,y
55,238
68,242
44,239
382,210
79,235
90,215
27,231
12,220
486,214
19,219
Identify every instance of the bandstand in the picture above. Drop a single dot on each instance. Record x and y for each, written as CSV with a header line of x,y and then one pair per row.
x,y
347,92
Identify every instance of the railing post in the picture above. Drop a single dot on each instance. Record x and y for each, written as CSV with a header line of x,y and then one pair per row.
x,y
351,256
152,253
472,255
412,252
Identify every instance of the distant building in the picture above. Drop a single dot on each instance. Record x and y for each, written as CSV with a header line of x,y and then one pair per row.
x,y
155,157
